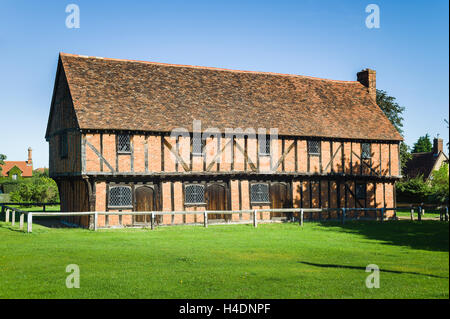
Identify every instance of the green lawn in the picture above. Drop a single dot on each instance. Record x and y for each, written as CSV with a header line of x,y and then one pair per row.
x,y
429,213
322,260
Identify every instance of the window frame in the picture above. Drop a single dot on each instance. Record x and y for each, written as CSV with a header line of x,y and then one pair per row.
x,y
363,153
264,150
202,145
251,192
118,143
186,203
358,194
309,149
110,188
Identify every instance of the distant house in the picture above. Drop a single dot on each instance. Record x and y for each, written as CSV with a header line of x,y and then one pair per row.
x,y
17,169
427,162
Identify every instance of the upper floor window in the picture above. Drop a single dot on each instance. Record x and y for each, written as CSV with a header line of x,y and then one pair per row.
x,y
14,177
120,196
63,145
194,194
123,144
365,151
314,147
198,146
360,191
264,146
259,193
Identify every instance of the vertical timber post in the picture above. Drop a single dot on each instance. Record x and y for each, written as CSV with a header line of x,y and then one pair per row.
x,y
7,215
446,214
412,213
301,217
13,218
419,214
152,221
205,219
95,221
343,216
30,222
255,220
382,214
21,221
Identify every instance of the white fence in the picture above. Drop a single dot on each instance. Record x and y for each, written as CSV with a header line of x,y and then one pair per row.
x,y
254,213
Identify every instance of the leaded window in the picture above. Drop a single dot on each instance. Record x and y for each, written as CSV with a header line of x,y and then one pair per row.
x,y
314,147
63,145
264,146
198,146
365,150
120,196
259,193
360,192
194,194
123,144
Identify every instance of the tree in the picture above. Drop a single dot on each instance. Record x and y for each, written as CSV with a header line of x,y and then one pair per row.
x,y
393,112
423,144
2,159
439,185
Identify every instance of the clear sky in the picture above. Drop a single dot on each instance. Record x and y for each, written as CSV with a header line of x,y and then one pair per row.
x,y
329,39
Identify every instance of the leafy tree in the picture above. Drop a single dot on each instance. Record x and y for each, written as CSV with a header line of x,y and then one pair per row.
x,y
39,189
393,112
2,158
414,190
440,185
423,144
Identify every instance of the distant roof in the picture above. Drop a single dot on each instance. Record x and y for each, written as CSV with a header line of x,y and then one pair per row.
x,y
147,96
421,164
27,170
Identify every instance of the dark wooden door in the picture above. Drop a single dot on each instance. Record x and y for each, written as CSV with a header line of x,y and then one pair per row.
x,y
279,198
216,199
145,201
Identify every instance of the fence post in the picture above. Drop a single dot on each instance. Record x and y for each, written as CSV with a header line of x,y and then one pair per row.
x,y
43,207
419,213
446,213
13,218
301,217
30,222
152,221
205,218
21,221
343,216
382,214
255,220
7,215
412,214
95,221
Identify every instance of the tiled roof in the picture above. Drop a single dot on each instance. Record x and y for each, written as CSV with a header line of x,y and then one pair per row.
x,y
27,170
148,96
421,164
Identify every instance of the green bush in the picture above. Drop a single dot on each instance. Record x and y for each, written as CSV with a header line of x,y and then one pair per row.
x,y
41,189
434,191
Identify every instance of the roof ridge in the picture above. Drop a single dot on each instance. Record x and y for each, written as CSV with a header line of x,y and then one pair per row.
x,y
209,68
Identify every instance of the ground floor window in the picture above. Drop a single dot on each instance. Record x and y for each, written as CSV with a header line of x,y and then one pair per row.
x,y
194,194
360,191
120,196
259,193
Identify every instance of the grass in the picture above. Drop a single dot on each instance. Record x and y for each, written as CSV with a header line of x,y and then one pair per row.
x,y
428,213
322,260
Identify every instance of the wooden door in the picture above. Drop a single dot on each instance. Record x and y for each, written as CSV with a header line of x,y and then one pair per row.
x,y
145,201
216,199
279,198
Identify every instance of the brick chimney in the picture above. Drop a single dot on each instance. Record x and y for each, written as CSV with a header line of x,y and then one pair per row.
x,y
368,78
30,157
438,146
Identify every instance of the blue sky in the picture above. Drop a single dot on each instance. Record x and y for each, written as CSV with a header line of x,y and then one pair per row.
x,y
410,50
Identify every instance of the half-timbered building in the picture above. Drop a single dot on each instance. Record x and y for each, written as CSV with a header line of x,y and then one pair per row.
x,y
112,147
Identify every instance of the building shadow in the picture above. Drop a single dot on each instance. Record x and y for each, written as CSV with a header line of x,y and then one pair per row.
x,y
426,235
364,269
